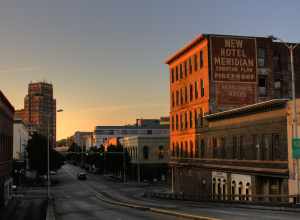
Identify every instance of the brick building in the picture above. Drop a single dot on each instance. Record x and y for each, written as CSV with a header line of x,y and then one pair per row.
x,y
243,151
39,107
6,147
215,73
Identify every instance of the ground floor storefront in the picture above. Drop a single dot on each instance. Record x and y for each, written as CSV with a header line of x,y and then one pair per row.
x,y
227,185
148,172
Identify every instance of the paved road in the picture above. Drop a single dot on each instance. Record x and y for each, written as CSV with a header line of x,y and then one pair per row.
x,y
76,200
126,192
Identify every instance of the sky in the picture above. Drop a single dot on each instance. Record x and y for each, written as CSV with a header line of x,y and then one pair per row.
x,y
105,58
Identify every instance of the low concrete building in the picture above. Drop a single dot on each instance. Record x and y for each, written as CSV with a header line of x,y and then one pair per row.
x,y
6,148
243,153
21,137
141,127
149,156
84,139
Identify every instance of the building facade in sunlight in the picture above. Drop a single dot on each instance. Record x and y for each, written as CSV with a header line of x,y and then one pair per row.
x,y
6,147
40,109
141,127
215,73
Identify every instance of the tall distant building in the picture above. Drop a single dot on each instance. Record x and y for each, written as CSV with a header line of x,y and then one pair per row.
x,y
39,107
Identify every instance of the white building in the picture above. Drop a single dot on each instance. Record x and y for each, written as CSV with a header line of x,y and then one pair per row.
x,y
21,137
149,156
84,139
142,127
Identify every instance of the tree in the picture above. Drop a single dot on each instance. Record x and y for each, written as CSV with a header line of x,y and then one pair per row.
x,y
37,155
114,159
74,148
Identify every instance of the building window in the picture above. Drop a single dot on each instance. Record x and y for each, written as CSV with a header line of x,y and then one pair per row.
x,y
181,124
177,150
191,93
173,124
262,86
201,58
186,94
177,98
202,88
181,149
195,118
223,147
234,147
195,62
146,152
202,148
190,65
191,149
262,57
172,75
241,148
176,69
173,100
191,119
196,149
149,131
186,149
275,147
181,73
176,121
185,68
196,89
181,96
160,152
214,147
186,120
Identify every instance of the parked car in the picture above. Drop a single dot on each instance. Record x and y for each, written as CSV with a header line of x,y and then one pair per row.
x,y
53,172
81,176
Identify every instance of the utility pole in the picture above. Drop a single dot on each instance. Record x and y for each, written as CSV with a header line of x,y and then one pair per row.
x,y
48,153
48,157
124,166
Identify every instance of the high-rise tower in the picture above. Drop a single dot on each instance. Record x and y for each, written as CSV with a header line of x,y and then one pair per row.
x,y
40,109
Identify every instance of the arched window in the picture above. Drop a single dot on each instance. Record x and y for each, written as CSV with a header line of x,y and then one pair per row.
x,y
214,187
240,190
146,152
224,189
248,191
233,187
219,187
177,150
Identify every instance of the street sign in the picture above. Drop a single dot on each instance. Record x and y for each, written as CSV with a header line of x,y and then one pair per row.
x,y
296,148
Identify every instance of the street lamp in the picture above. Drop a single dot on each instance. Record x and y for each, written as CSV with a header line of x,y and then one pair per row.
x,y
291,47
48,153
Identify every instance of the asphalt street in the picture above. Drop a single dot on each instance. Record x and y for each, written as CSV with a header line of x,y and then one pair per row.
x,y
75,196
76,200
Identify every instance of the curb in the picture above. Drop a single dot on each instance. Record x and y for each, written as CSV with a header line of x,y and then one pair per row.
x,y
235,205
50,211
156,210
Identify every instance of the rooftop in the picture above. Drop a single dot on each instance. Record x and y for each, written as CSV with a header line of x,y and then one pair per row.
x,y
261,106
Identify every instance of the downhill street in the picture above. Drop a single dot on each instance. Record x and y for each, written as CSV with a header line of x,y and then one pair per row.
x,y
76,199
